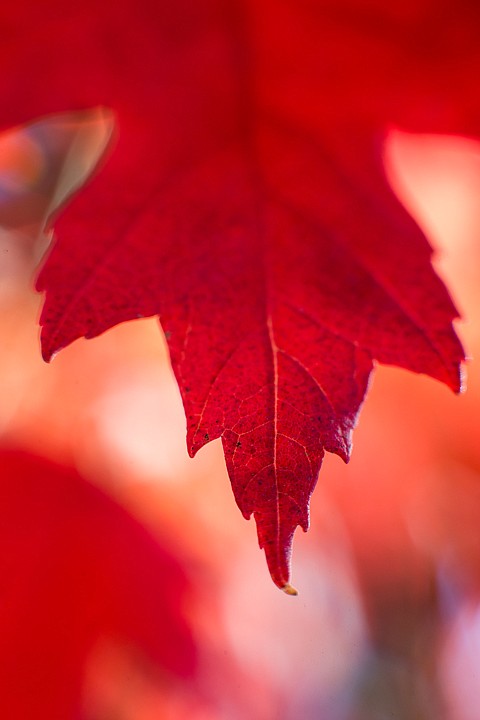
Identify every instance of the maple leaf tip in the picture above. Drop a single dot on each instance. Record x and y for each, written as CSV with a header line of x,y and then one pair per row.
x,y
49,356
289,589
49,351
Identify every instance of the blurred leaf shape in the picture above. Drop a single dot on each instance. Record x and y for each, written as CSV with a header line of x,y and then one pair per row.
x,y
77,570
44,162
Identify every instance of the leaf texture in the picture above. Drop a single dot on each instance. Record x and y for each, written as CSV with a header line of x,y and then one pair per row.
x,y
245,203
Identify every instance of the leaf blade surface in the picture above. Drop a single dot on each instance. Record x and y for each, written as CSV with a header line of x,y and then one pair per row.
x,y
246,204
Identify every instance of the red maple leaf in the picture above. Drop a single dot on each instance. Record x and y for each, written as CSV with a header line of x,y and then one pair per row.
x,y
246,204
77,568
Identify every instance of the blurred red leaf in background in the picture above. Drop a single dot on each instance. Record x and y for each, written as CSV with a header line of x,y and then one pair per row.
x,y
78,570
245,202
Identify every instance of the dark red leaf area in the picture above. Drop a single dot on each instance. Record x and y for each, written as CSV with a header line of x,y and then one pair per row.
x,y
75,567
245,203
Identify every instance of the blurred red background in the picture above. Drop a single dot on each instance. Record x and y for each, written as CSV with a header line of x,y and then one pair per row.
x,y
133,589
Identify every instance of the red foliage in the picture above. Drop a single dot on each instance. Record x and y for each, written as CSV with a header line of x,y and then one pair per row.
x,y
76,569
245,203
